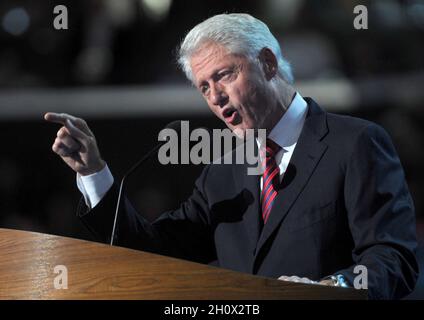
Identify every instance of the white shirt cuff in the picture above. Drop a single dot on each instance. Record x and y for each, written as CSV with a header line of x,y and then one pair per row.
x,y
94,186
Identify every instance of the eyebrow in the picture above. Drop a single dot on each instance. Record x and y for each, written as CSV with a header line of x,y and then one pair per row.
x,y
216,72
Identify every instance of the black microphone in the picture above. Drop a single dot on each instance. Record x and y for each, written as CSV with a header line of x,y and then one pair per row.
x,y
174,125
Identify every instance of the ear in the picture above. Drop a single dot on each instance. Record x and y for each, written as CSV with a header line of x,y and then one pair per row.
x,y
269,63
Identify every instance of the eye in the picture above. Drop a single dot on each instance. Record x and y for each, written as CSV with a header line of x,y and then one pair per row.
x,y
225,74
204,89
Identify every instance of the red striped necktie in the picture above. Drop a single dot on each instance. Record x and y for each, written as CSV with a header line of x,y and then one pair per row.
x,y
271,177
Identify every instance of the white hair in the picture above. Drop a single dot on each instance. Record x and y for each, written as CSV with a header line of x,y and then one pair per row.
x,y
240,33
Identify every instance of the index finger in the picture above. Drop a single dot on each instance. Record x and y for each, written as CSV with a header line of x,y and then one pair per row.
x,y
58,117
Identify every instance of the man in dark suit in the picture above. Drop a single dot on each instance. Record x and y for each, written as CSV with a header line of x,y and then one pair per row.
x,y
332,195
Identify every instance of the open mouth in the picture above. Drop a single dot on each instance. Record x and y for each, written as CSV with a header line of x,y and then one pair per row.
x,y
230,115
229,112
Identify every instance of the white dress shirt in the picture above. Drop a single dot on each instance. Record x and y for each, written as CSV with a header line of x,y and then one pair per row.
x,y
285,133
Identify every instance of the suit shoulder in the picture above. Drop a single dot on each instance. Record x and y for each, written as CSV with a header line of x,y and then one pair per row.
x,y
348,126
351,136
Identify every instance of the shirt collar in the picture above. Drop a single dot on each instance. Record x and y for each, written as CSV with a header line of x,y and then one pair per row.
x,y
287,131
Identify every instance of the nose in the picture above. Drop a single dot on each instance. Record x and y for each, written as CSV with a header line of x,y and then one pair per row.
x,y
218,95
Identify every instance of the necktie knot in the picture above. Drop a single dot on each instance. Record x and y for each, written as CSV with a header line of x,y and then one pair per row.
x,y
271,148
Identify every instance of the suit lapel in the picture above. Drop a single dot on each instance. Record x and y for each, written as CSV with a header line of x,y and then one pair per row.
x,y
307,154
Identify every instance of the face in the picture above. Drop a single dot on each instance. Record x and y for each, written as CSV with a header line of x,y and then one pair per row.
x,y
236,90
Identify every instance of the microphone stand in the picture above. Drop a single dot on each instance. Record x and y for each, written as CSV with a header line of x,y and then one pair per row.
x,y
121,186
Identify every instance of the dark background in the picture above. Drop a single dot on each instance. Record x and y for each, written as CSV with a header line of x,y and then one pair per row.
x,y
115,67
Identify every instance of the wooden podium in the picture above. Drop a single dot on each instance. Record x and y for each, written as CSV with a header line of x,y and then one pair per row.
x,y
98,271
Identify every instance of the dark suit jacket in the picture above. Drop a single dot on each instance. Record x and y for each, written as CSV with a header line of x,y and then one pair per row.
x,y
343,202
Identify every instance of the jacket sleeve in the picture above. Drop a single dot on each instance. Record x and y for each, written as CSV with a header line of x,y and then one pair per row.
x,y
381,217
183,233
